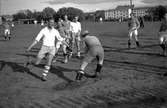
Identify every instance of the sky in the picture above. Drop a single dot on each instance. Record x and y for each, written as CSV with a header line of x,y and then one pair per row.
x,y
13,6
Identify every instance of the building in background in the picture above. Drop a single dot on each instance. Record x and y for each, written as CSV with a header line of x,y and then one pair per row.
x,y
122,12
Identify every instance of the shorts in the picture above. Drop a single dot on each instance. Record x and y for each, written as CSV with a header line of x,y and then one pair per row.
x,y
46,49
163,36
94,52
76,36
131,32
7,32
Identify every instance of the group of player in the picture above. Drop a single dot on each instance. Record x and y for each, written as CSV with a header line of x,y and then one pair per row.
x,y
67,34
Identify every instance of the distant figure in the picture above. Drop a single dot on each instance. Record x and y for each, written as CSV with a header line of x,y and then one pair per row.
x,y
7,31
93,49
101,19
141,22
134,25
163,35
35,22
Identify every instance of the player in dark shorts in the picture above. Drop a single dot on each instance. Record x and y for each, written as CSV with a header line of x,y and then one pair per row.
x,y
93,49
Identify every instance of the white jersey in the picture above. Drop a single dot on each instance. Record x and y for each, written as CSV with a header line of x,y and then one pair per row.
x,y
75,27
49,36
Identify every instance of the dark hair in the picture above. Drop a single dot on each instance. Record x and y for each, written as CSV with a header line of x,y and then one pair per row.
x,y
85,33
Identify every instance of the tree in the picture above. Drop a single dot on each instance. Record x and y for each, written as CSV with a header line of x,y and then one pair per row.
x,y
157,13
48,13
70,12
160,12
37,15
23,14
99,14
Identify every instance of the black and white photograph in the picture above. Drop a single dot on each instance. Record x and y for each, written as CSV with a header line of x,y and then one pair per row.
x,y
83,53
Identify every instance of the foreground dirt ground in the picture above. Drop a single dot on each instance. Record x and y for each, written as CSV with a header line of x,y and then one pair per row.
x,y
131,78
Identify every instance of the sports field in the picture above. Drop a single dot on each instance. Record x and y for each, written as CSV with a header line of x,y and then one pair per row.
x,y
131,78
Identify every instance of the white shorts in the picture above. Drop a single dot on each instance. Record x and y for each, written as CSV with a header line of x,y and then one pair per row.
x,y
76,36
7,32
162,37
46,49
133,32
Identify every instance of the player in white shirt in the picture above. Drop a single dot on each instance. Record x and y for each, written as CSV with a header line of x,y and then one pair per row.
x,y
49,35
76,31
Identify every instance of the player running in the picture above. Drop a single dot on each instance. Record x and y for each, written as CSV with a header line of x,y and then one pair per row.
x,y
76,30
93,49
163,34
134,25
49,35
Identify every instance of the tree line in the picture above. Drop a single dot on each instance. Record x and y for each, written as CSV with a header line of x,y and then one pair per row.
x,y
154,14
48,13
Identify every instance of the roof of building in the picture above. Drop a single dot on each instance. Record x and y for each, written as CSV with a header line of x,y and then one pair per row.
x,y
124,7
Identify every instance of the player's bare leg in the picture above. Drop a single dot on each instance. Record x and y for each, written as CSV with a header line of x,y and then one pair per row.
x,y
130,39
65,53
78,47
137,41
47,67
72,43
81,72
99,66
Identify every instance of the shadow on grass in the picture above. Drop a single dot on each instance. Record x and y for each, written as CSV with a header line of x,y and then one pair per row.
x,y
159,70
128,50
16,67
59,71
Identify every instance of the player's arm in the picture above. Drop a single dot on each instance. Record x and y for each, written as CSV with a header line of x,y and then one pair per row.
x,y
37,39
33,44
59,38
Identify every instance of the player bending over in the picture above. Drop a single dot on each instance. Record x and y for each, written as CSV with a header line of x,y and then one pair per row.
x,y
93,49
163,35
49,35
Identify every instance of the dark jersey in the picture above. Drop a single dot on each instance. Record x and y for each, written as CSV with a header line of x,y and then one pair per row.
x,y
163,26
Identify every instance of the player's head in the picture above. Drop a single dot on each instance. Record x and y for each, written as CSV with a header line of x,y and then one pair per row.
x,y
75,18
85,33
51,23
65,17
